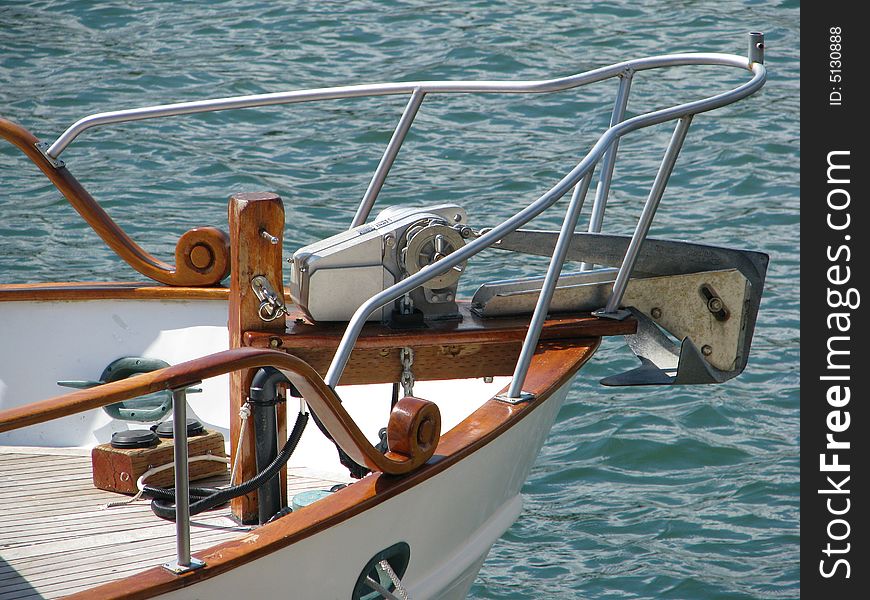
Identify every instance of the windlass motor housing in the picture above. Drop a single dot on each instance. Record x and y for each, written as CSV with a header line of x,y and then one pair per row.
x,y
331,278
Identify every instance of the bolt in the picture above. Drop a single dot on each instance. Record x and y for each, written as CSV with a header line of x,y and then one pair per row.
x,y
715,304
488,379
389,240
656,313
269,237
385,352
274,342
706,349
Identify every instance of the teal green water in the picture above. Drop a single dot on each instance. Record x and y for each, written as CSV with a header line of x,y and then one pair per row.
x,y
651,493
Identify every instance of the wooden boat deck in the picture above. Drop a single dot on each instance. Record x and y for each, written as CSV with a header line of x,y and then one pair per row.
x,y
57,537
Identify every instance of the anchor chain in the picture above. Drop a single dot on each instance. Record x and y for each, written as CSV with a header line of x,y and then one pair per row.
x,y
406,355
400,590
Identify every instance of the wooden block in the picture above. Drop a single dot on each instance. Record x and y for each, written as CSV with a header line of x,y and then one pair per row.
x,y
117,469
450,349
251,254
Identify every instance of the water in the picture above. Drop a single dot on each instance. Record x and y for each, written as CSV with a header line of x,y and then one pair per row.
x,y
652,493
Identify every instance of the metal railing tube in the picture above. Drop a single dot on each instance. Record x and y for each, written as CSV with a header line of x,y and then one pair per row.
x,y
756,47
548,287
596,219
646,216
183,561
388,158
355,325
387,89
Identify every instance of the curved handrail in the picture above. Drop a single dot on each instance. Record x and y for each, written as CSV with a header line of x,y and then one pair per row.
x,y
201,254
583,169
389,89
320,397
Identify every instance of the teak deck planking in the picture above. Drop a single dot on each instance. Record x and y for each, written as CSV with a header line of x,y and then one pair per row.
x,y
58,540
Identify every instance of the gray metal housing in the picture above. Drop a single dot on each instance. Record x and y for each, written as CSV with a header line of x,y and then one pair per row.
x,y
330,279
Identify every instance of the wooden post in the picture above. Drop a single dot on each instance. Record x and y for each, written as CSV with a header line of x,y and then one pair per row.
x,y
251,253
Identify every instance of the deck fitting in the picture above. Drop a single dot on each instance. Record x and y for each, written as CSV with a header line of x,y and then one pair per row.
x,y
523,397
180,569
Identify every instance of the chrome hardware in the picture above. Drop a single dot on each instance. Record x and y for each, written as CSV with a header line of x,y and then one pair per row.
x,y
519,399
406,305
271,305
390,153
333,277
406,355
705,296
43,149
580,173
429,244
756,47
183,561
269,237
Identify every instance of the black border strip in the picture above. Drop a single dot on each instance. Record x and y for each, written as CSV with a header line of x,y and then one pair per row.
x,y
834,258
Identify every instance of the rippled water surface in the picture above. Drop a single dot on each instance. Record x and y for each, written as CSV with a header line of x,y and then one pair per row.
x,y
639,493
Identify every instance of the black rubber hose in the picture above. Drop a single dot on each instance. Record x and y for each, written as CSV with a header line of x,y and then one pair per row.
x,y
263,399
163,503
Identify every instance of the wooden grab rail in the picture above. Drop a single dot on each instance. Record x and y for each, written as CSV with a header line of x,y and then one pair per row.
x,y
421,423
201,254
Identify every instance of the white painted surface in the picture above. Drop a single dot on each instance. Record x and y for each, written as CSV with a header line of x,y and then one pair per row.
x,y
78,339
369,405
45,342
450,521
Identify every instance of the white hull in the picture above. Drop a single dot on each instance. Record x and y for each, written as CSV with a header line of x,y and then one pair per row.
x,y
450,522
60,340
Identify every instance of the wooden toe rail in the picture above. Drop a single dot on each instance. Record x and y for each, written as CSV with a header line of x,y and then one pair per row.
x,y
321,398
202,255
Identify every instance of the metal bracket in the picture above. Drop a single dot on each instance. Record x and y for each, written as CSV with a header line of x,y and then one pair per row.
x,y
271,305
43,149
663,362
523,397
179,569
620,314
706,296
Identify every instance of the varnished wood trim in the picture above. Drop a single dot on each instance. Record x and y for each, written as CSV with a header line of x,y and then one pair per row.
x,y
320,397
553,365
44,292
472,347
414,426
251,255
201,254
473,329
